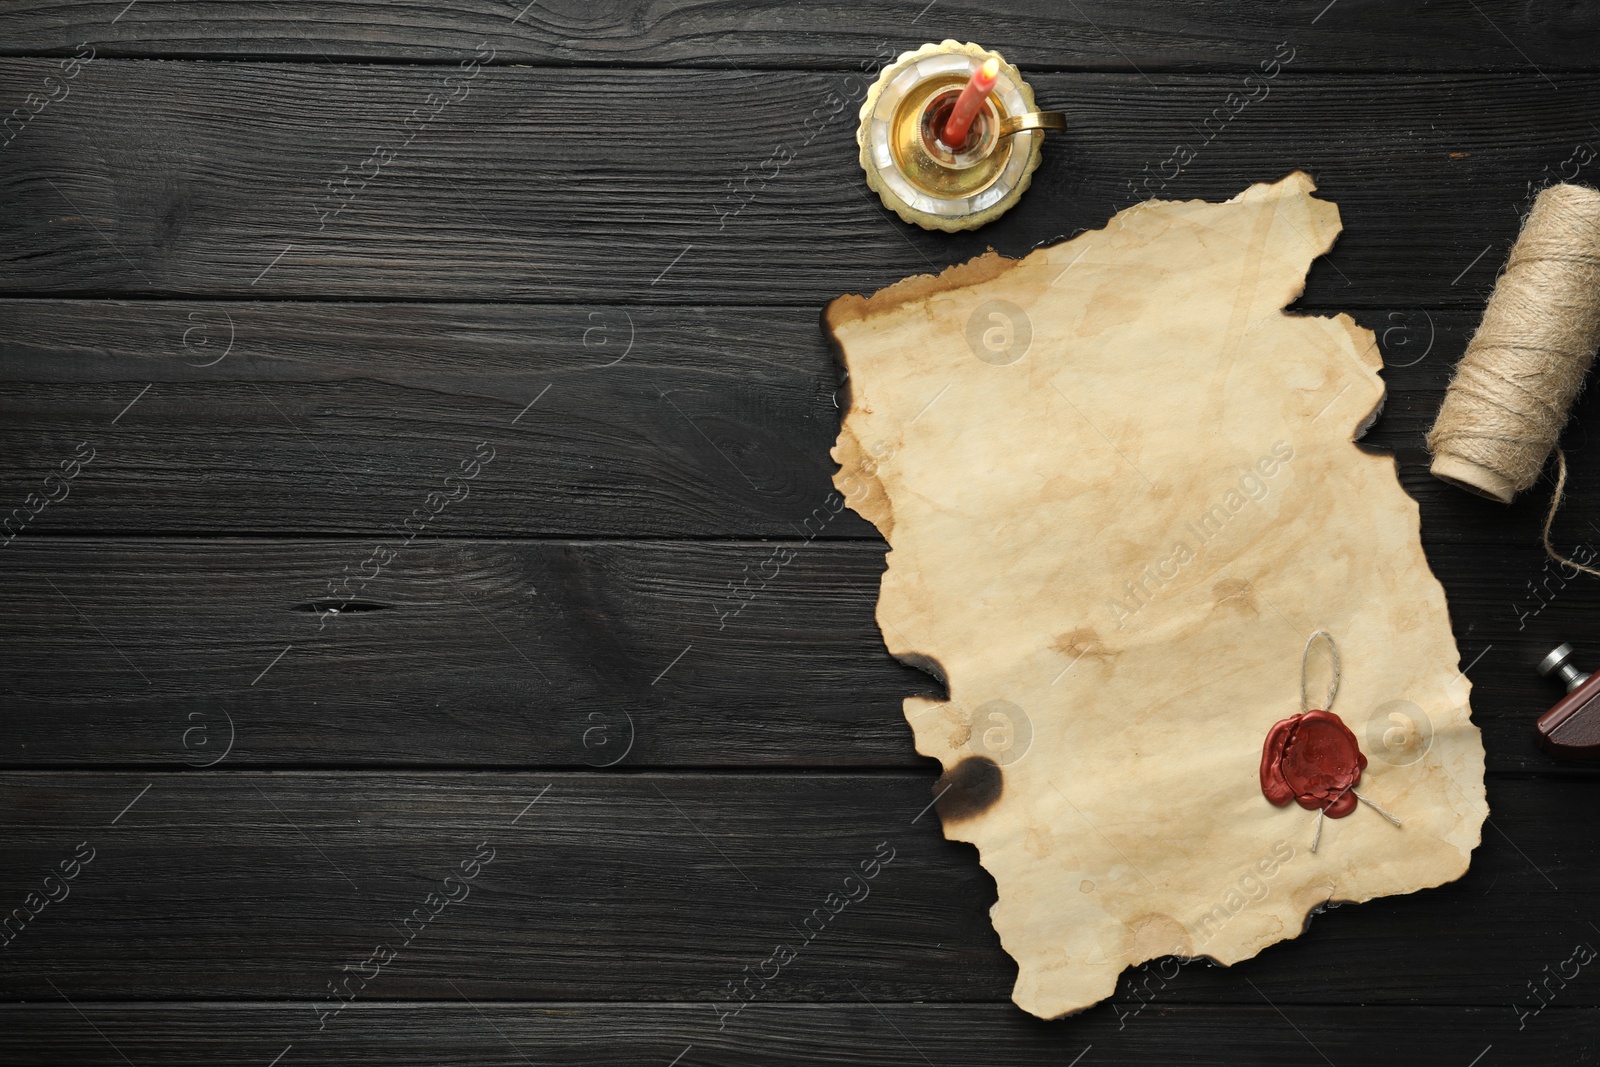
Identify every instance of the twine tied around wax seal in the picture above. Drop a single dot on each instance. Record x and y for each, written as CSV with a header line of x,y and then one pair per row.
x,y
1525,365
1312,758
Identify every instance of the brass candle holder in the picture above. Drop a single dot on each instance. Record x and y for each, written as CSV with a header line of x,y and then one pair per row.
x,y
950,187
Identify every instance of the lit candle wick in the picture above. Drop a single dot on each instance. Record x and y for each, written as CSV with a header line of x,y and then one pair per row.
x,y
959,124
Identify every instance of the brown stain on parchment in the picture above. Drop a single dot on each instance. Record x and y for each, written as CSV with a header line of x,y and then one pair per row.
x,y
1234,594
1154,935
1084,641
1110,307
961,735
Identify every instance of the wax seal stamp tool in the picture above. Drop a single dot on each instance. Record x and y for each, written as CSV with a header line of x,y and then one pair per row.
x,y
950,187
1571,728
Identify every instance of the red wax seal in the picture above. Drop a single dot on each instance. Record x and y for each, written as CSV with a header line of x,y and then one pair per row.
x,y
1314,759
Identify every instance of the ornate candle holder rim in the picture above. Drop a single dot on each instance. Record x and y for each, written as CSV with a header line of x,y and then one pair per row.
x,y
982,194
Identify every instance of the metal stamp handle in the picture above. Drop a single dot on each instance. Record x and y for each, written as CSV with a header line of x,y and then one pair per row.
x,y
1558,663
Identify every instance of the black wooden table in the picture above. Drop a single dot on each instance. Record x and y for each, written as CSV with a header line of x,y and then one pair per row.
x,y
394,399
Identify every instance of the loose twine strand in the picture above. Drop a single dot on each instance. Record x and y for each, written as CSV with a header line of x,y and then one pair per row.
x,y
1526,363
1305,705
1305,672
1550,517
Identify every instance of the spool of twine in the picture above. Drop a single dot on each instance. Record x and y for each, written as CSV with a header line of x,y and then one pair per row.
x,y
1523,369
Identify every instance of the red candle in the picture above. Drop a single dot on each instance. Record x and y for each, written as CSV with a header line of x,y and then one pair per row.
x,y
972,98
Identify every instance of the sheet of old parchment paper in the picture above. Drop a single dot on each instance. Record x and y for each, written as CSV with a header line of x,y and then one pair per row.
x,y
1120,491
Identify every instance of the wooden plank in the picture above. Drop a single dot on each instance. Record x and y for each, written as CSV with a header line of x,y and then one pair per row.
x,y
884,1034
341,418
1093,34
716,422
459,653
711,186
665,887
554,654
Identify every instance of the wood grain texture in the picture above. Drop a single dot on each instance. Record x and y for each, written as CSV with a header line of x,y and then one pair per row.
x,y
279,418
140,182
664,887
1093,34
459,653
886,1035
287,418
551,654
